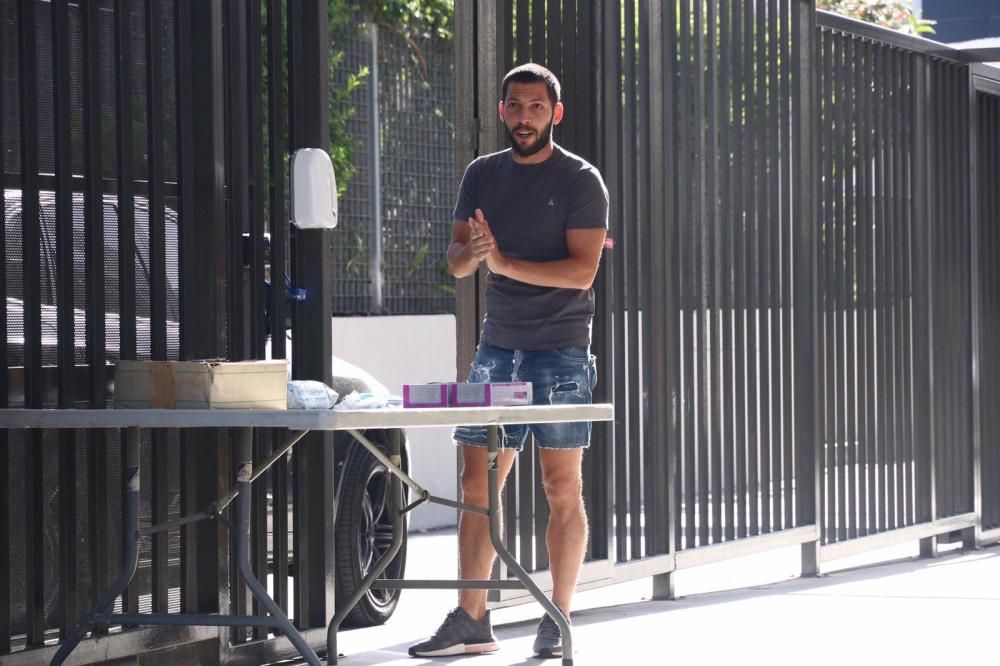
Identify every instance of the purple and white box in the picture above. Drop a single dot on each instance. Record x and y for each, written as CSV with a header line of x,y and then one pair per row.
x,y
425,395
510,393
461,394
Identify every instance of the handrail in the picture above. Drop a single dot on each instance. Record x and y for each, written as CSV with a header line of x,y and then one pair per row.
x,y
840,23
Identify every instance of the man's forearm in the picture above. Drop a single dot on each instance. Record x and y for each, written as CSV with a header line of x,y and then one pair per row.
x,y
571,273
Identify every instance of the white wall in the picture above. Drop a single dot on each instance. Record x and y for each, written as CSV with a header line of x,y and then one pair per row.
x,y
410,350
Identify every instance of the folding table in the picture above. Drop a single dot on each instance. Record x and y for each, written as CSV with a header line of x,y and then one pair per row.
x,y
298,423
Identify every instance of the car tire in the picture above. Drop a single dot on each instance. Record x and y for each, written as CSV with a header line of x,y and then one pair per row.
x,y
363,532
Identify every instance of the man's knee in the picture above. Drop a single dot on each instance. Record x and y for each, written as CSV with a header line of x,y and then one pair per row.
x,y
564,492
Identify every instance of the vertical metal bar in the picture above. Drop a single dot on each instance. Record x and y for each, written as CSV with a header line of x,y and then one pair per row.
x,y
683,496
522,31
975,286
756,433
742,23
237,174
895,283
923,358
830,143
730,137
899,286
93,221
881,295
946,210
967,482
263,440
375,174
6,619
277,218
615,268
69,610
278,227
312,321
157,285
572,63
126,214
714,272
630,283
838,285
605,111
126,179
850,289
657,331
201,163
672,304
686,282
538,34
699,304
866,495
553,35
255,122
649,476
238,219
787,392
909,214
30,239
774,266
804,116
826,144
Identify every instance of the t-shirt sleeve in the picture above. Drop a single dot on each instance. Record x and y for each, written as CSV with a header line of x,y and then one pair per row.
x,y
588,202
467,202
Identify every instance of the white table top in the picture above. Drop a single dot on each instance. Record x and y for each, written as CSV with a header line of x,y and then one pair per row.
x,y
300,419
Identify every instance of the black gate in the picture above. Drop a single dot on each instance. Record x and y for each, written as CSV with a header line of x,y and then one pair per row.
x,y
144,210
791,323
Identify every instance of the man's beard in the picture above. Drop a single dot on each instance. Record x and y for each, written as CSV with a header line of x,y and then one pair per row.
x,y
544,136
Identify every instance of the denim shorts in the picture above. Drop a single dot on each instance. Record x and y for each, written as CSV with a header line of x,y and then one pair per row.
x,y
564,376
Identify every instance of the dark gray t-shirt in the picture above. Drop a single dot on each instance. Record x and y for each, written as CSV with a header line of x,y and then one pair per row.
x,y
529,208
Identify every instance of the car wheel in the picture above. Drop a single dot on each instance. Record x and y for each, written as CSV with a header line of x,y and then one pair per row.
x,y
363,533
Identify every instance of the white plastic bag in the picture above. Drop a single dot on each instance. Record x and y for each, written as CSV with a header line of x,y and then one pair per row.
x,y
310,394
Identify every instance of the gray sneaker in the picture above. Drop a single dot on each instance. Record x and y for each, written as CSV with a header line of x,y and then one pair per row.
x,y
458,634
548,641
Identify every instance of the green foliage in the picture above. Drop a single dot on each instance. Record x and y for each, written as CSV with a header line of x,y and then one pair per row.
x,y
342,144
414,20
895,14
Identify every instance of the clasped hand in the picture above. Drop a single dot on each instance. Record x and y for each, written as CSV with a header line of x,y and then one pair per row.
x,y
483,243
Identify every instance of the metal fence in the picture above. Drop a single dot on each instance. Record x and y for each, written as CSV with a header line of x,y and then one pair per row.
x,y
144,149
794,323
396,214
792,316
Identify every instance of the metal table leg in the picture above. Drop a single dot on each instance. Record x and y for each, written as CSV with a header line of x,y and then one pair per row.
x,y
130,561
395,513
509,559
243,478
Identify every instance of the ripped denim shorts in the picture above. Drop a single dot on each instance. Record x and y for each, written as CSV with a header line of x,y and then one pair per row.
x,y
564,376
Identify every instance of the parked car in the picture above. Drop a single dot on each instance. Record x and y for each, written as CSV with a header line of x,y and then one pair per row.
x,y
363,529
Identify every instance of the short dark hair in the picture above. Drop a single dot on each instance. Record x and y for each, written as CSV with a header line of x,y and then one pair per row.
x,y
532,73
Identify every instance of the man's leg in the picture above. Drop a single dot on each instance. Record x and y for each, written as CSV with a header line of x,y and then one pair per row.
x,y
475,550
562,477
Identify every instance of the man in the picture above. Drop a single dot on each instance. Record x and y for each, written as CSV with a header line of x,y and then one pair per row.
x,y
537,215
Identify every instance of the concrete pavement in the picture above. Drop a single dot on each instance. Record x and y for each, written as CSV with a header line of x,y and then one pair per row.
x,y
886,607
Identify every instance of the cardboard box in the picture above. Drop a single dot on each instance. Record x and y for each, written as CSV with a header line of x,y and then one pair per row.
x,y
201,384
425,395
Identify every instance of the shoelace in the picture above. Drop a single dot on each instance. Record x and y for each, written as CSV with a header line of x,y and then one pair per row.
x,y
549,630
451,618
